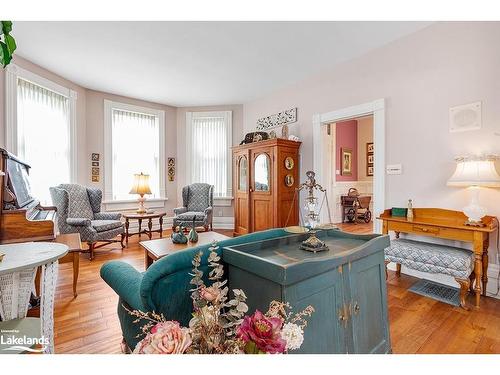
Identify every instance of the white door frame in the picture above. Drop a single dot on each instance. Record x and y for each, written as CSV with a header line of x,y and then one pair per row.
x,y
322,165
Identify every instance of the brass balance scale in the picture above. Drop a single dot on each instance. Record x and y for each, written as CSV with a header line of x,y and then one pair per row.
x,y
311,225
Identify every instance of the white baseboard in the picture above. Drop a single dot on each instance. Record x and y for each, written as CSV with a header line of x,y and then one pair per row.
x,y
449,280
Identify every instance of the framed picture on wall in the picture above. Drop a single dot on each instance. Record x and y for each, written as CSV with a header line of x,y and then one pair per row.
x,y
369,170
346,159
370,159
370,148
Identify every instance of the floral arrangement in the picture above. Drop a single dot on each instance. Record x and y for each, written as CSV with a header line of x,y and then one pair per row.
x,y
219,324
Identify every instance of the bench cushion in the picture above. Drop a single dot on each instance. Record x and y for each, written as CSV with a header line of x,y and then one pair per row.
x,y
433,258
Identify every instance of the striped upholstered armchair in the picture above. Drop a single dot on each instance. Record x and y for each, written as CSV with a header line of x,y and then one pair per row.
x,y
198,200
79,211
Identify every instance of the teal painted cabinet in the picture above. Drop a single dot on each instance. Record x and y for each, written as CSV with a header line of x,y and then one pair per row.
x,y
345,285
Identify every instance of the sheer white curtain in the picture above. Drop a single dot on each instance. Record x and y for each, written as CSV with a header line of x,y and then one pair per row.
x,y
209,154
135,149
43,137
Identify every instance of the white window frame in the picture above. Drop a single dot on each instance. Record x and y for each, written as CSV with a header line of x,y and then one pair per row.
x,y
228,115
131,203
12,73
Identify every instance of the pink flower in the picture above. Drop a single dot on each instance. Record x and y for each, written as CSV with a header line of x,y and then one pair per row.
x,y
263,333
165,338
209,294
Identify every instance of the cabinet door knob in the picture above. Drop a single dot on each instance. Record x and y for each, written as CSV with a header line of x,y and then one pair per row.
x,y
251,190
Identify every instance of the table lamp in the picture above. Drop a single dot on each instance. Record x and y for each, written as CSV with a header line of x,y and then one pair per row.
x,y
475,172
141,187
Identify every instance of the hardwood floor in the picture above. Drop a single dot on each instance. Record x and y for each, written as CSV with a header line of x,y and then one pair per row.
x,y
89,324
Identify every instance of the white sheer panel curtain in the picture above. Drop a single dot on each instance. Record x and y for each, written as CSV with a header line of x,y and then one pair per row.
x,y
43,137
209,152
135,148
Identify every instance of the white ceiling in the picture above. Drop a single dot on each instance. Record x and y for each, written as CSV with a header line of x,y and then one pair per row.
x,y
198,63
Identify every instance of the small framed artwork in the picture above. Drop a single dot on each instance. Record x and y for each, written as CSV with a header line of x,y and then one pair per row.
x,y
289,180
370,148
369,170
289,163
171,169
95,178
95,156
346,162
95,163
370,159
95,171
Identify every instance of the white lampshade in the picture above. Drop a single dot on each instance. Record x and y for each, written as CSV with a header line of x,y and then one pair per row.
x,y
141,184
475,172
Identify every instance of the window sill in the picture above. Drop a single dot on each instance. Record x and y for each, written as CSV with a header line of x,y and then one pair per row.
x,y
129,204
223,201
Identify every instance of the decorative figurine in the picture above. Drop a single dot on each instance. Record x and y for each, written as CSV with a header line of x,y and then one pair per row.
x,y
178,236
193,236
409,212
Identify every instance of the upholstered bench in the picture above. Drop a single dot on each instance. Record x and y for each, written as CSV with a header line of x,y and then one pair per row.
x,y
433,258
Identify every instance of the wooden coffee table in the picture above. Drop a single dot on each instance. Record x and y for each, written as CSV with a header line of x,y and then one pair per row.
x,y
156,249
140,217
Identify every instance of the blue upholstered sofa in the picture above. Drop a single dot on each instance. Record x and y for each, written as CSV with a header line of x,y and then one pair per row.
x,y
163,287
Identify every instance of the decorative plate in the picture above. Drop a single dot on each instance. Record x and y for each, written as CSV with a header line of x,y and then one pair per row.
x,y
289,163
289,180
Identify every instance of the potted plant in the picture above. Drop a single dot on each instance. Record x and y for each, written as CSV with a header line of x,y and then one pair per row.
x,y
7,43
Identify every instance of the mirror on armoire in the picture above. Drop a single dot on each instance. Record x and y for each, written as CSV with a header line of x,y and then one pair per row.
x,y
261,170
243,173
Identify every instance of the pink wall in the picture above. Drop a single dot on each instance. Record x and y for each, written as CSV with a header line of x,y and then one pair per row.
x,y
346,136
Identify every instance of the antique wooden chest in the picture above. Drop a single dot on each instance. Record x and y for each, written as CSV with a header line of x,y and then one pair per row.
x,y
345,285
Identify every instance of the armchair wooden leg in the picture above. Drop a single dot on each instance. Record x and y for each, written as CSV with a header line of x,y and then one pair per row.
x,y
91,249
398,269
205,227
464,289
122,239
386,262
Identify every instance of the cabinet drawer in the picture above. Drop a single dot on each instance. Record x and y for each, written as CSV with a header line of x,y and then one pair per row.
x,y
424,229
432,231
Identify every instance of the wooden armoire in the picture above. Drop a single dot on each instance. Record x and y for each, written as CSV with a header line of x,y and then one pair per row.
x,y
265,175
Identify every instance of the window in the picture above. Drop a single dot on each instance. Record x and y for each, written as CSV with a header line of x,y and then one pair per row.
x,y
208,156
134,143
40,130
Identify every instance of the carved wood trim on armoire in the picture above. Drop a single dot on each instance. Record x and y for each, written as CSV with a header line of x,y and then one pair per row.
x,y
264,200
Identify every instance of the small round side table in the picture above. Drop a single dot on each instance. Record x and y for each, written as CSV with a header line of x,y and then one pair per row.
x,y
17,276
140,217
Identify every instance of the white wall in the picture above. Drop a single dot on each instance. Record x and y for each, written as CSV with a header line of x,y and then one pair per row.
x,y
420,76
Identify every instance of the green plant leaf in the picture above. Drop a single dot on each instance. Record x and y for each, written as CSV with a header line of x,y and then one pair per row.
x,y
6,26
5,56
11,43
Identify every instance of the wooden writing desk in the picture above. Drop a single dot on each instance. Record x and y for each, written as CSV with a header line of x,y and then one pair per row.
x,y
448,224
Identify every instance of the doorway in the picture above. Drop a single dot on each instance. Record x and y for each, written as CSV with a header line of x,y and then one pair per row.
x,y
325,155
352,158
